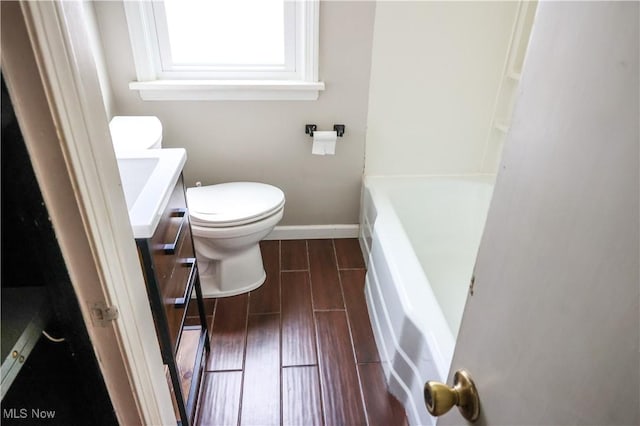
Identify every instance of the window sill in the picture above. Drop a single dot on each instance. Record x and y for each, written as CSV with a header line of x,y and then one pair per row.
x,y
236,90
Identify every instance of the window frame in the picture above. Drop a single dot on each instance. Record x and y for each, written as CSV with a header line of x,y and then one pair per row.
x,y
154,83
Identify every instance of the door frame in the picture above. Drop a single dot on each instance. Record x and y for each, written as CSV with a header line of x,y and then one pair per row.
x,y
52,78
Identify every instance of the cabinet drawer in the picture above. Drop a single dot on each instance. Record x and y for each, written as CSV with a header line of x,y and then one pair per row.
x,y
176,307
174,260
170,232
173,284
175,316
175,289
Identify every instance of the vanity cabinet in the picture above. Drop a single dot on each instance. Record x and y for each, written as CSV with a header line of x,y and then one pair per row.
x,y
171,276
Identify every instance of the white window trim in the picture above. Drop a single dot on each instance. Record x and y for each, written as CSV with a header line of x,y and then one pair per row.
x,y
288,71
153,87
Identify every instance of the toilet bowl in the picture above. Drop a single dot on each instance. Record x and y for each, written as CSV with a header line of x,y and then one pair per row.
x,y
228,220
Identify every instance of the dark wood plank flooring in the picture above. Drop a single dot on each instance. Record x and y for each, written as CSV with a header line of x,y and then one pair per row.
x,y
299,350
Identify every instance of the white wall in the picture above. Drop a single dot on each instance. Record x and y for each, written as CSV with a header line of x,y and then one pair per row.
x,y
91,26
435,73
265,141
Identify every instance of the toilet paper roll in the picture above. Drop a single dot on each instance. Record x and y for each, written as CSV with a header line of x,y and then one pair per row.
x,y
324,142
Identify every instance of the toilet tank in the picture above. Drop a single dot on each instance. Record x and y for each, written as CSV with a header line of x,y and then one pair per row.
x,y
135,133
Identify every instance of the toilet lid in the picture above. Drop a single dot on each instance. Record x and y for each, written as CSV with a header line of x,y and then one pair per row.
x,y
135,133
233,203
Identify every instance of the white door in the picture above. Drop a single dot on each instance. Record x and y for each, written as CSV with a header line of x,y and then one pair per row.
x,y
551,333
50,69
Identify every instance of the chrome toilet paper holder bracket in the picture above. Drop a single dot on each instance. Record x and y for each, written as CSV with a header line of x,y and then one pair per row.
x,y
338,128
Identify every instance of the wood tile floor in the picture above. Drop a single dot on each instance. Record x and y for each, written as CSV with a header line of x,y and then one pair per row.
x,y
299,350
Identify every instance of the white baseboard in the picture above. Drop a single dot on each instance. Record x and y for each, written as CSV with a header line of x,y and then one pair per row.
x,y
304,232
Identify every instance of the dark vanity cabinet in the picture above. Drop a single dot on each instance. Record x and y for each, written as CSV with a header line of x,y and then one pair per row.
x,y
171,275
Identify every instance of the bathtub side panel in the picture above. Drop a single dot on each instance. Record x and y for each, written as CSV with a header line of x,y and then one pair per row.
x,y
411,332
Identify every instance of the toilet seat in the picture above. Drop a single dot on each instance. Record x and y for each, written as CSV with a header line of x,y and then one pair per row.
x,y
233,204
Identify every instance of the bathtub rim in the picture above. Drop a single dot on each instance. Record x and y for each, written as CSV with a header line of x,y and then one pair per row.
x,y
388,228
391,234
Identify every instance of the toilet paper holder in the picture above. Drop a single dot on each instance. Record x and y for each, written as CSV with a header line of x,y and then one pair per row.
x,y
310,128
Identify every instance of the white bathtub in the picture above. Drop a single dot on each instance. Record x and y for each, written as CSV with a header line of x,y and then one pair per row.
x,y
419,236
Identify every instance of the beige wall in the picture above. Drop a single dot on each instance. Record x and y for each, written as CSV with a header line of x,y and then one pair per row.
x,y
435,74
265,140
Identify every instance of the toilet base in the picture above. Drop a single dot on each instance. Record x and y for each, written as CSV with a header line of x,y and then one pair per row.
x,y
209,290
232,275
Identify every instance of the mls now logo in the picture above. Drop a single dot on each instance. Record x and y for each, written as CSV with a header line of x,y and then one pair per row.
x,y
23,413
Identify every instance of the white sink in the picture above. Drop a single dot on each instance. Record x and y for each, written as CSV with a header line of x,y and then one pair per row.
x,y
148,178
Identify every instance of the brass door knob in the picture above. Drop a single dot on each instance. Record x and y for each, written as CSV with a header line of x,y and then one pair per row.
x,y
439,398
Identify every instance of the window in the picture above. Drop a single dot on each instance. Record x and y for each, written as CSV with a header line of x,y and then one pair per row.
x,y
225,49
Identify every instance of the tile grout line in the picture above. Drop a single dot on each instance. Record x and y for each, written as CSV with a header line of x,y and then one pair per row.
x,y
213,318
315,334
370,362
244,358
235,370
280,334
353,349
205,373
259,313
263,314
299,365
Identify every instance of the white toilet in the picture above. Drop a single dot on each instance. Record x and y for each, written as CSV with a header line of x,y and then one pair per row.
x,y
228,220
135,133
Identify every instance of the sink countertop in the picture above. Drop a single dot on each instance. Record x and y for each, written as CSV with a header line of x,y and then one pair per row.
x,y
148,178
